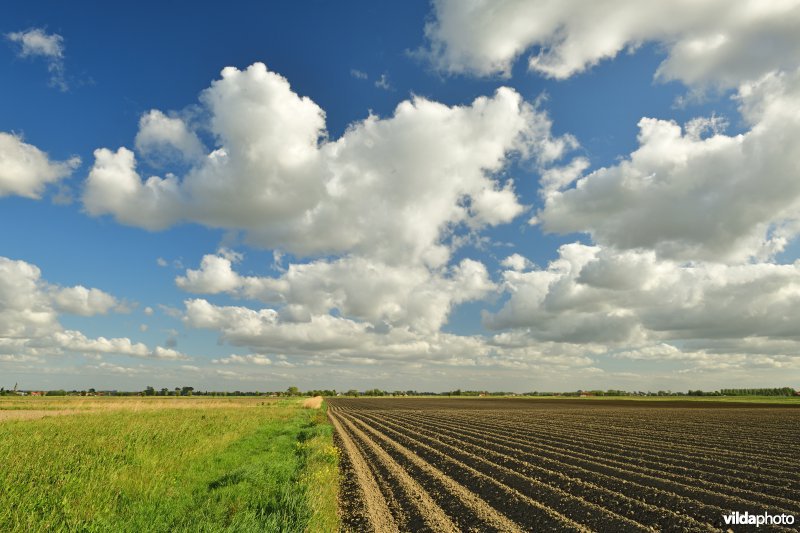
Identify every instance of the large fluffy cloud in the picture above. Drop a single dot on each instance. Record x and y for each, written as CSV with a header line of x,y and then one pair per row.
x,y
708,42
355,287
334,340
25,170
29,318
684,227
390,188
380,203
79,300
687,226
692,193
693,197
628,299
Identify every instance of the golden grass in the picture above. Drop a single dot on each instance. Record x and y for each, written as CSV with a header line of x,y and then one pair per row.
x,y
24,408
30,414
313,403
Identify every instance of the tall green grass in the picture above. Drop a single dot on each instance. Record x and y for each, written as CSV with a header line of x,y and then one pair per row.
x,y
260,467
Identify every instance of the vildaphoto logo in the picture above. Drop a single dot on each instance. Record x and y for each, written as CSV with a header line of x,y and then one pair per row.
x,y
765,519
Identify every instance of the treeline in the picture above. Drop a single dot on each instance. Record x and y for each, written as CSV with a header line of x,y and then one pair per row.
x,y
457,392
295,391
777,391
151,391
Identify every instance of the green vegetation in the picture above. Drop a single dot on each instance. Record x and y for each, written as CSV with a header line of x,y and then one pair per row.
x,y
294,391
790,400
783,391
180,464
776,392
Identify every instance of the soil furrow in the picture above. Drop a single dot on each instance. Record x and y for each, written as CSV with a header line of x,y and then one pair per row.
x,y
718,495
481,516
577,436
594,488
572,505
512,503
434,518
724,445
405,515
375,512
470,464
778,496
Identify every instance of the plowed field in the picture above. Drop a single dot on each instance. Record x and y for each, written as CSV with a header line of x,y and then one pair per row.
x,y
533,465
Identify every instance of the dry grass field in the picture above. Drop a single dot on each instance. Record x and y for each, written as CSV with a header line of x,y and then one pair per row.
x,y
528,465
27,407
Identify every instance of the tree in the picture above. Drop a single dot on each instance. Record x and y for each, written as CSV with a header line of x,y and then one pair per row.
x,y
293,391
149,391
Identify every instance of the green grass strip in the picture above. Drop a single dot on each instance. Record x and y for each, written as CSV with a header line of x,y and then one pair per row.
x,y
267,468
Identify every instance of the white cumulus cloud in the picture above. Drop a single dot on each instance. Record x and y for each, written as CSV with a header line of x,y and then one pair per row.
x,y
79,300
25,170
627,299
392,188
690,197
359,288
326,339
707,42
252,359
29,318
164,138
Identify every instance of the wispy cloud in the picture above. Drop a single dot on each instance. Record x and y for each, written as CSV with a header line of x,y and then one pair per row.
x,y
36,42
383,83
358,74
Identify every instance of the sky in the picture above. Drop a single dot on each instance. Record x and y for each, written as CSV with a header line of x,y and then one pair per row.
x,y
491,195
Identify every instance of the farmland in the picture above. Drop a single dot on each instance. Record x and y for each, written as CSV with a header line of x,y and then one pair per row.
x,y
178,464
525,465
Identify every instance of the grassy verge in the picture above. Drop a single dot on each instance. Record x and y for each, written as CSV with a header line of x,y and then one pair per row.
x,y
321,476
267,466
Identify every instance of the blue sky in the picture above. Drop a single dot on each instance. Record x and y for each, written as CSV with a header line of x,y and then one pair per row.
x,y
399,195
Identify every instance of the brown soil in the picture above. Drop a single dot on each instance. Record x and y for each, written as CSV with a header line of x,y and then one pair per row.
x,y
541,465
368,509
